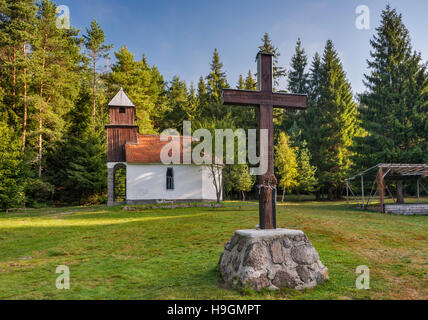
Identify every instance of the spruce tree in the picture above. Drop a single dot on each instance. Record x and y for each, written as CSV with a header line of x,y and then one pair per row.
x,y
216,82
202,95
192,110
298,82
241,83
298,78
337,122
217,77
77,163
268,47
178,104
245,116
250,82
394,107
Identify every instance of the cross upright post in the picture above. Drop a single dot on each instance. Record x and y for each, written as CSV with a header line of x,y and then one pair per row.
x,y
265,99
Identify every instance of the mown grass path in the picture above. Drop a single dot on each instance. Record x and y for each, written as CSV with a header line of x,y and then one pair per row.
x,y
173,253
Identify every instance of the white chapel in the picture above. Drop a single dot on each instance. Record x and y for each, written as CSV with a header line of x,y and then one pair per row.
x,y
136,174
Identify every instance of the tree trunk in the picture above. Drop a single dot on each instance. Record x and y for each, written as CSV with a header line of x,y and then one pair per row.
x,y
39,158
400,197
94,90
339,191
41,111
283,194
330,194
24,125
14,79
318,196
217,184
243,195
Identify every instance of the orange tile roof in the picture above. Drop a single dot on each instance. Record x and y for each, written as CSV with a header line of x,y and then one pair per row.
x,y
148,149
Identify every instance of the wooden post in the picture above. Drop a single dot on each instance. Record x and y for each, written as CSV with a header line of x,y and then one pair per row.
x,y
347,193
362,190
417,188
381,189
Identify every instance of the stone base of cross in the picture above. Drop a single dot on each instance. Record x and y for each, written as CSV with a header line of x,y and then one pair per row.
x,y
265,99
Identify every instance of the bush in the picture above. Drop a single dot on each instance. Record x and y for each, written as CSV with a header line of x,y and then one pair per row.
x,y
38,192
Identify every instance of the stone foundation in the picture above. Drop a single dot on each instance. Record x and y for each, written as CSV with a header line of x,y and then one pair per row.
x,y
409,209
271,259
110,186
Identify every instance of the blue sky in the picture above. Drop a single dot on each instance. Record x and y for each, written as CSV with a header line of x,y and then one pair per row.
x,y
179,37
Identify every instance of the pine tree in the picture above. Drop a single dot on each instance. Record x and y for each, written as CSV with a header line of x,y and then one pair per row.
x,y
158,93
143,84
55,63
286,164
11,186
94,43
16,33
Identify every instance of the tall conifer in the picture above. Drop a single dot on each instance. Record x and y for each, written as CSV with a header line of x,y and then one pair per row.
x,y
94,43
333,113
394,107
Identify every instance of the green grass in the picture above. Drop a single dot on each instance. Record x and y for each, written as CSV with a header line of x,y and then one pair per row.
x,y
172,254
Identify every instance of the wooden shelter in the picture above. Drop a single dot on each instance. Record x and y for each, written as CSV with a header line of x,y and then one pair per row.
x,y
381,174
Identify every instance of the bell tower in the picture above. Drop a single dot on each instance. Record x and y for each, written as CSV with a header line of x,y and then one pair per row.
x,y
120,131
122,128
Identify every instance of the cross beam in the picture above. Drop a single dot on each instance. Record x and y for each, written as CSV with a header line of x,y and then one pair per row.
x,y
265,99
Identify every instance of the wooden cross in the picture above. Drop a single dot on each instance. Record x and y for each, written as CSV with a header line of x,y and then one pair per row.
x,y
266,100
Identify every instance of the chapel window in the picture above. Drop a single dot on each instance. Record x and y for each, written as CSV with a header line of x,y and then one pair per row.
x,y
169,179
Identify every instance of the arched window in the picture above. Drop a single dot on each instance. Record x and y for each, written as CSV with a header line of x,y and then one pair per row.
x,y
119,183
169,179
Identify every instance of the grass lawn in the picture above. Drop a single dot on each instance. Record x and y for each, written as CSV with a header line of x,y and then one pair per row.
x,y
173,253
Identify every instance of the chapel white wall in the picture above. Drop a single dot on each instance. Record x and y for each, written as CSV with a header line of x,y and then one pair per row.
x,y
148,182
208,188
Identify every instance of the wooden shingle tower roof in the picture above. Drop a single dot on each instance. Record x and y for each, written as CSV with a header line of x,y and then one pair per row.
x,y
121,100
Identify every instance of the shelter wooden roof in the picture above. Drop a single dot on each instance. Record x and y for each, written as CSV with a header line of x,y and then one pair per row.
x,y
395,170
